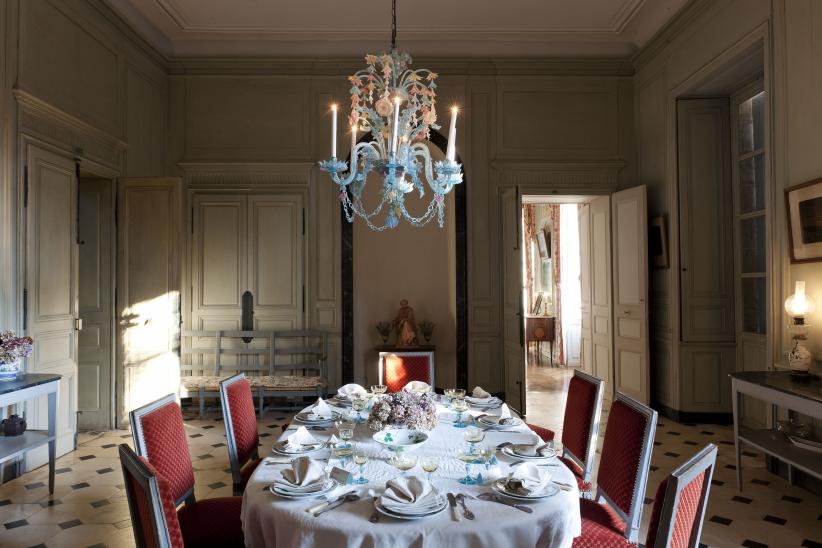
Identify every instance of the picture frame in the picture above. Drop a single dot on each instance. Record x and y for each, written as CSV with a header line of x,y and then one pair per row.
x,y
658,242
544,250
803,203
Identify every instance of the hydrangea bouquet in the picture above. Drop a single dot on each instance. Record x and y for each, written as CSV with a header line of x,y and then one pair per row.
x,y
404,409
12,350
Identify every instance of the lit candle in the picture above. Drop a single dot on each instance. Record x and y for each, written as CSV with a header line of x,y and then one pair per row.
x,y
334,131
395,136
450,153
353,140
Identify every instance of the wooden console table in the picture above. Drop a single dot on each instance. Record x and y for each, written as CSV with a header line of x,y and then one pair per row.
x,y
27,387
777,388
540,329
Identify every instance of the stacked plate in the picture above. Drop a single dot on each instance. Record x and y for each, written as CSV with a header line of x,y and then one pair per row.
x,y
484,403
307,417
518,452
501,487
281,448
430,506
339,401
298,492
492,421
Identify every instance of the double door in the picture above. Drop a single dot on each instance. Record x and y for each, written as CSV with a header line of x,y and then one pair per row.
x,y
247,242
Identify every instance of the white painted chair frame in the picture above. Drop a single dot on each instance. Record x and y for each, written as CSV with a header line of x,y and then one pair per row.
x,y
233,458
703,461
132,466
634,516
410,354
596,413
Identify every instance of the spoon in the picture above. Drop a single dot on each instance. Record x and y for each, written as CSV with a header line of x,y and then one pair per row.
x,y
491,497
375,516
468,513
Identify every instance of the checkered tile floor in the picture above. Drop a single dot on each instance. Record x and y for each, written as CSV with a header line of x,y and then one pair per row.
x,y
89,508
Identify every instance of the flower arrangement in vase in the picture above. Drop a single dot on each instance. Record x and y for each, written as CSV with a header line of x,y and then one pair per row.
x,y
12,350
384,329
404,410
427,329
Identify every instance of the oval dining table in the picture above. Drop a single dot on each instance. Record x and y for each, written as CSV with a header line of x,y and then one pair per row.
x,y
271,521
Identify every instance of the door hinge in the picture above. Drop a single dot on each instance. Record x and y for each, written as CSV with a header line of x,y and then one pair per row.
x,y
25,186
25,309
303,221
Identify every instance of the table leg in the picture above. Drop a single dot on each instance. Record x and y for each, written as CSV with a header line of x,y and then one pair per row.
x,y
551,350
736,402
52,435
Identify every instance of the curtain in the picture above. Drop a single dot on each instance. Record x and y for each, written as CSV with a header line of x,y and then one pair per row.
x,y
529,233
559,346
571,290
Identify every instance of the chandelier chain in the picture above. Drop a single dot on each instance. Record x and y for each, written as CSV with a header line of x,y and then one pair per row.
x,y
393,25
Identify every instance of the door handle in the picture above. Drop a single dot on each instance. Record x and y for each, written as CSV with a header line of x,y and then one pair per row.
x,y
78,324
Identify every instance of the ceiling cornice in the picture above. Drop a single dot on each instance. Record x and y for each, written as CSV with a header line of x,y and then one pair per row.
x,y
691,11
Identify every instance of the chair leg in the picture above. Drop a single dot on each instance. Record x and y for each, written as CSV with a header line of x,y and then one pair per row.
x,y
261,395
202,402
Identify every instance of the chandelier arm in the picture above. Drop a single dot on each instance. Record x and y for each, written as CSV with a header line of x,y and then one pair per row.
x,y
419,149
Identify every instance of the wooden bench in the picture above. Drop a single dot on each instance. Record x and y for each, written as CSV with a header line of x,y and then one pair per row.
x,y
270,359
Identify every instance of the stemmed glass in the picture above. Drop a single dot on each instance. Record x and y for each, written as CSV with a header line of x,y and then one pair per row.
x,y
430,464
467,453
345,428
473,436
378,389
403,462
358,404
360,458
460,406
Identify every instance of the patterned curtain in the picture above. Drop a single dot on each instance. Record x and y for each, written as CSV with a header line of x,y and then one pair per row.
x,y
528,221
559,349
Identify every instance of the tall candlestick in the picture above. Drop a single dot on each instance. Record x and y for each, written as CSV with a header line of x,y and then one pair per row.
x,y
395,136
333,131
450,153
353,140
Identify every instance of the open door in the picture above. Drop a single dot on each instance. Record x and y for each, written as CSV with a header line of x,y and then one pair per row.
x,y
630,255
586,360
51,307
148,291
601,305
514,328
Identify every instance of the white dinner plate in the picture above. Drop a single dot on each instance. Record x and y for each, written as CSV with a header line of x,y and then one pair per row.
x,y
510,452
305,417
329,486
494,424
385,511
279,448
500,487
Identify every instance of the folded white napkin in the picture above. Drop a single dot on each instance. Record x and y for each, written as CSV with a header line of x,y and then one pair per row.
x,y
528,479
321,410
304,474
504,412
409,493
530,450
480,394
300,438
350,391
417,386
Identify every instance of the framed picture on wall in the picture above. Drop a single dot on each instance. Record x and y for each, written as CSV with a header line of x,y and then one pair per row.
x,y
658,242
804,205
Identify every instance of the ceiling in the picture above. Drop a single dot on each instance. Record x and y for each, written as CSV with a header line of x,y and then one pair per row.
x,y
337,28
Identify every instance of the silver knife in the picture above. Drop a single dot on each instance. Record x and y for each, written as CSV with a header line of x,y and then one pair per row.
x,y
323,504
455,513
350,497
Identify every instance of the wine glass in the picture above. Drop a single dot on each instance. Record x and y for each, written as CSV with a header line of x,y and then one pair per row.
x,y
358,404
360,458
345,428
469,456
459,393
487,453
460,406
378,389
473,436
430,464
403,462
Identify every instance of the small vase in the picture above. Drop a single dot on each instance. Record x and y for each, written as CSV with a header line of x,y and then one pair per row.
x,y
9,371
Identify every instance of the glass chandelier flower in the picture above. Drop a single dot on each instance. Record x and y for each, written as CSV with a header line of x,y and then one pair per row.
x,y
397,105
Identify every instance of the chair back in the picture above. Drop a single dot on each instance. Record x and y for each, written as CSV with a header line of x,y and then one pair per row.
x,y
153,512
240,422
160,437
681,499
580,426
625,458
398,369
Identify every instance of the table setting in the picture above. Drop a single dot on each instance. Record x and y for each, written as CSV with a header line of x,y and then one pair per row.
x,y
423,469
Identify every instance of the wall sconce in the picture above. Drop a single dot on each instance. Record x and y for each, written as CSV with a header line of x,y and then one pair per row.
x,y
798,306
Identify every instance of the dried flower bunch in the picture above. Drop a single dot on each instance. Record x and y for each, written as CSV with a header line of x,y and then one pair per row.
x,y
14,348
404,409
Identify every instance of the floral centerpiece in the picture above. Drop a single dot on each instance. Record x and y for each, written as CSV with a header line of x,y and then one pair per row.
x,y
404,410
12,350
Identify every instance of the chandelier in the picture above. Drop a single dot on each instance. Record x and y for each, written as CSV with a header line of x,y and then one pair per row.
x,y
397,105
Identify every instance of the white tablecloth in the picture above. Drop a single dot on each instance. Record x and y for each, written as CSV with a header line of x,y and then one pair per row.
x,y
270,521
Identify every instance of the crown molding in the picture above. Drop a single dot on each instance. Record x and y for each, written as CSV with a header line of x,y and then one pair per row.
x,y
250,174
130,33
667,34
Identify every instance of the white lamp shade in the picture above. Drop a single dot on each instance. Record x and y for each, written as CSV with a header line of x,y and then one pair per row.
x,y
799,304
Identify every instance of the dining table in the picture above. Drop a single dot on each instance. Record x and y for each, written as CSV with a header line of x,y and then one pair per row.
x,y
271,521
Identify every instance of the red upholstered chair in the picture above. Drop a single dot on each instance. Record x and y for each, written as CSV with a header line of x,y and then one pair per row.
x,y
681,499
240,429
153,512
580,427
397,370
622,477
160,437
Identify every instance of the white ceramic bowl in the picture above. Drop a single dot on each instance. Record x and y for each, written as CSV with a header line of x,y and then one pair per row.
x,y
400,439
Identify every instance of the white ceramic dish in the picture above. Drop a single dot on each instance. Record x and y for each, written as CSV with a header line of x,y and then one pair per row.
x,y
329,486
381,509
500,487
279,449
306,418
492,423
400,439
549,453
